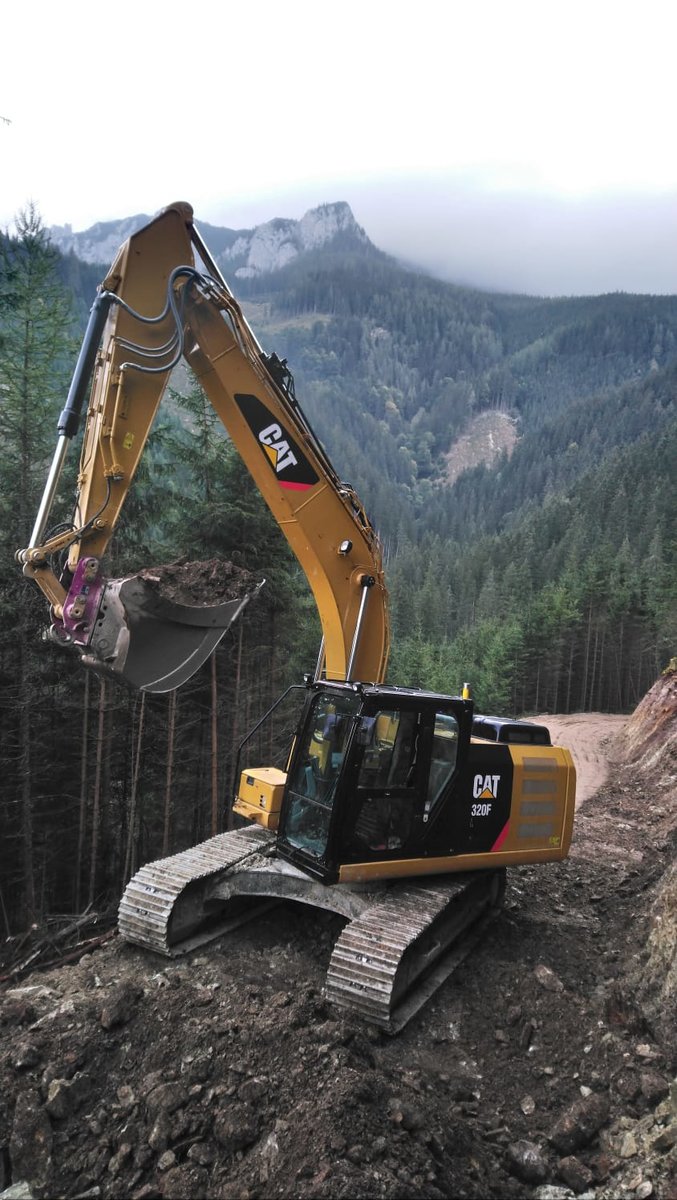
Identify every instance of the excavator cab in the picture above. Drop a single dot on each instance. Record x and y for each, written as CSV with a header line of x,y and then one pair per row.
x,y
369,770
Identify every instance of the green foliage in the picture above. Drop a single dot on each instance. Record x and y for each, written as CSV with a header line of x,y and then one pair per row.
x,y
560,561
34,355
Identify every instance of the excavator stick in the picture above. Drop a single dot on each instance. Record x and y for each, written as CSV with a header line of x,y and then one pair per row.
x,y
130,629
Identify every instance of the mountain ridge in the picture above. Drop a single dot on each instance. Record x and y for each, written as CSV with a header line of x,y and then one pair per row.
x,y
242,253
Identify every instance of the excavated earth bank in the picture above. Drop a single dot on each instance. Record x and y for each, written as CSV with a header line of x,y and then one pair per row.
x,y
544,1068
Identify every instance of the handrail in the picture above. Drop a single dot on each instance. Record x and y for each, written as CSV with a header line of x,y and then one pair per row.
x,y
293,687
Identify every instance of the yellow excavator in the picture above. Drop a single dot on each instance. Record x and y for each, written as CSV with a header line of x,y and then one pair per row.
x,y
399,809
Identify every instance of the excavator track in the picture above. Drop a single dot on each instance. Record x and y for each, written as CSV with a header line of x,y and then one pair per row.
x,y
397,948
388,962
162,908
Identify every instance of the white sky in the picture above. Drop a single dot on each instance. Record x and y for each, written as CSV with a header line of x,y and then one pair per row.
x,y
438,123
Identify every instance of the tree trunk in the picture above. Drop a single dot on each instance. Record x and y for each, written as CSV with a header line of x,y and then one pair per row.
x,y
593,679
132,838
600,672
567,706
25,740
586,661
83,793
96,807
237,700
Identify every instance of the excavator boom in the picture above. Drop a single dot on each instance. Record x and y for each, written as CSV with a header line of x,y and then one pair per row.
x,y
156,307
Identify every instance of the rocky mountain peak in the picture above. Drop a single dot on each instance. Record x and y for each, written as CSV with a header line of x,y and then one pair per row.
x,y
244,253
98,244
272,245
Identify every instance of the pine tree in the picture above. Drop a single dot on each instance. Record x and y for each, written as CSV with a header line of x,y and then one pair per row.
x,y
35,349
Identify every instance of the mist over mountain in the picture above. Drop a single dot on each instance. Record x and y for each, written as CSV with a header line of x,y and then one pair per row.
x,y
464,230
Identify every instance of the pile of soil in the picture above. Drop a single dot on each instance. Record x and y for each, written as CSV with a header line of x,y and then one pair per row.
x,y
199,583
538,1070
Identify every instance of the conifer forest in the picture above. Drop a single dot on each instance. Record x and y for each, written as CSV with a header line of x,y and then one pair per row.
x,y
547,579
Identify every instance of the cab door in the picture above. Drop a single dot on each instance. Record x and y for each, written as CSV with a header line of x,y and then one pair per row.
x,y
383,814
315,780
408,761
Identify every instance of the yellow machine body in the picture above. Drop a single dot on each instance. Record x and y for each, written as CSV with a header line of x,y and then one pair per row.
x,y
260,795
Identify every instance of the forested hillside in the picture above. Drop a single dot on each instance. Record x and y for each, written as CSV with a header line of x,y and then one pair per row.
x,y
548,581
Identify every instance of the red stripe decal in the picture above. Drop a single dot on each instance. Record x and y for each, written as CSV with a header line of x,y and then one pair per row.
x,y
501,838
295,487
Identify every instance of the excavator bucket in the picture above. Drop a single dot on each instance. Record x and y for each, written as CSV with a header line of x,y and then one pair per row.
x,y
141,630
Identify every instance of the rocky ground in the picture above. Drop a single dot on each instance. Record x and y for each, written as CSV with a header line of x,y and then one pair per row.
x,y
544,1068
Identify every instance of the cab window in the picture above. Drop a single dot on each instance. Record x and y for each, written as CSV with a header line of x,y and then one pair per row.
x,y
312,785
442,760
386,792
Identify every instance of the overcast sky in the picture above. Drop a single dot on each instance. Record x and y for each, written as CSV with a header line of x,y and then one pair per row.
x,y
520,145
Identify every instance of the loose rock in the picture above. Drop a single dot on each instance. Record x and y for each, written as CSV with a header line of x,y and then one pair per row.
x,y
579,1124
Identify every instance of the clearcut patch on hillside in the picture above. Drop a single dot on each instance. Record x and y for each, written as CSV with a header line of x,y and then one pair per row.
x,y
486,438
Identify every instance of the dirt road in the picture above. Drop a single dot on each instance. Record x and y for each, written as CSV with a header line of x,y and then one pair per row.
x,y
589,737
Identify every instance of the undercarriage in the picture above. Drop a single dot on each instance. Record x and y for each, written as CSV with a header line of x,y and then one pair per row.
x,y
401,940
